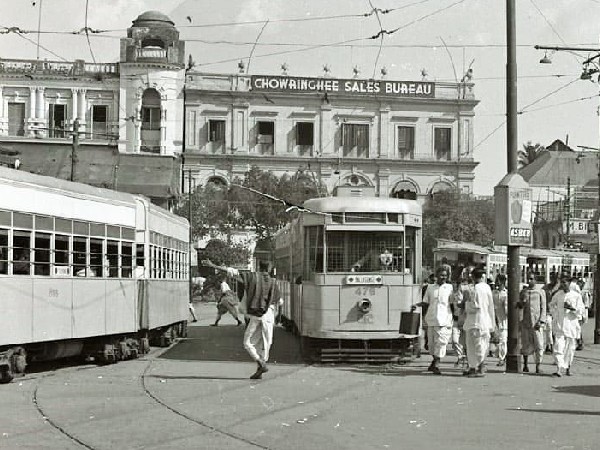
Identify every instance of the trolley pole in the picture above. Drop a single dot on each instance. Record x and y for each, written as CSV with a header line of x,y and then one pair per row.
x,y
513,360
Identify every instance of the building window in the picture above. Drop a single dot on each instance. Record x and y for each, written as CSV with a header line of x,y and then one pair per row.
x,y
355,140
16,119
99,121
266,137
442,143
406,142
150,118
305,133
56,121
216,131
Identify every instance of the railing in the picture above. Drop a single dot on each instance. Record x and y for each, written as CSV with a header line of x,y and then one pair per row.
x,y
71,68
151,53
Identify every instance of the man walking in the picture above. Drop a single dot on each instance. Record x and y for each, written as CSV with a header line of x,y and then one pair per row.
x,y
533,303
262,296
438,318
479,324
567,309
550,290
500,296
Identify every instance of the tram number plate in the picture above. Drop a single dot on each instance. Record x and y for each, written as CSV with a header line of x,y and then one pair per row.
x,y
364,279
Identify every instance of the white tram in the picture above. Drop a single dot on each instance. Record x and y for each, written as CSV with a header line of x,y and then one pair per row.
x,y
349,267
540,262
85,270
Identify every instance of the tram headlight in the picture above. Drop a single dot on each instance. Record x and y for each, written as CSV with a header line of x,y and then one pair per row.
x,y
364,305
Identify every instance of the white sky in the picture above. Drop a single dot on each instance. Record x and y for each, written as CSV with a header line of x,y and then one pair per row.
x,y
478,25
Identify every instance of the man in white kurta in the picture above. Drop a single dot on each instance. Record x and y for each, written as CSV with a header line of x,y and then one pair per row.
x,y
438,318
479,324
567,310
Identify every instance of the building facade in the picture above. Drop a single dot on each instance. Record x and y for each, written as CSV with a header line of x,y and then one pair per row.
x,y
403,138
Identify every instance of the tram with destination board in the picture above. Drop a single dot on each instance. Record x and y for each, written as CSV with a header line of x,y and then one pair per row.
x,y
86,271
348,268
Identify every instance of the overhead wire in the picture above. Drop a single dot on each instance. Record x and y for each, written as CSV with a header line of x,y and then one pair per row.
x,y
87,34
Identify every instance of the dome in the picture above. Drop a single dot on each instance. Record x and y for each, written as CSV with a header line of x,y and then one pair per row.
x,y
155,18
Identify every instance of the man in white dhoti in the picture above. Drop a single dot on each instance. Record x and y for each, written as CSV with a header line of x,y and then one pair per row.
x,y
567,310
438,318
479,324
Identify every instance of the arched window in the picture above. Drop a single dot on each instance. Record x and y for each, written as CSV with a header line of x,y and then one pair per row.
x,y
405,189
150,113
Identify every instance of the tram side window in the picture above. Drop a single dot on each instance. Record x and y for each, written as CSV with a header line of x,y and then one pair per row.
x,y
314,251
335,252
127,259
41,254
140,260
61,250
96,258
21,252
112,254
79,256
409,252
3,252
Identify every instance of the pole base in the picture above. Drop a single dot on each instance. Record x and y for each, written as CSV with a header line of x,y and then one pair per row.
x,y
597,337
514,364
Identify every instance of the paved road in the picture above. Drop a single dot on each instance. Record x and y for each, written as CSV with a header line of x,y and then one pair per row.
x,y
197,395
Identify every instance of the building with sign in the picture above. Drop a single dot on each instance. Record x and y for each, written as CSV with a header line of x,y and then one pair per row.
x,y
401,138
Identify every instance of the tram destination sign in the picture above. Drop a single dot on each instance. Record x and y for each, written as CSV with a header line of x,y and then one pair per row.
x,y
278,83
364,279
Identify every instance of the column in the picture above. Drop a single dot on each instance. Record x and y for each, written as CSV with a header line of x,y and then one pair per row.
x,y
1,103
384,132
32,102
3,119
326,137
74,102
81,105
39,107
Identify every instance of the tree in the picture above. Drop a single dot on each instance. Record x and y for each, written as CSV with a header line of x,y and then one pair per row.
x,y
529,153
222,253
446,216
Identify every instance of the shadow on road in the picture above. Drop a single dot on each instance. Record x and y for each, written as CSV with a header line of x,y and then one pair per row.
x,y
592,390
224,343
574,412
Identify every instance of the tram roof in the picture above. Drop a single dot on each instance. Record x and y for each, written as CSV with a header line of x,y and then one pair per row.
x,y
363,204
47,182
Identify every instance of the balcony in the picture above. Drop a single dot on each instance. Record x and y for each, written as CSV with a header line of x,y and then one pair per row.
x,y
151,54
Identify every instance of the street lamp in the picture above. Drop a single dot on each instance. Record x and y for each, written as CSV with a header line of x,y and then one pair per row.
x,y
588,74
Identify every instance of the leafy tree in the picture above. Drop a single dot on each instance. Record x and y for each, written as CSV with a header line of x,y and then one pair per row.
x,y
529,153
447,216
224,254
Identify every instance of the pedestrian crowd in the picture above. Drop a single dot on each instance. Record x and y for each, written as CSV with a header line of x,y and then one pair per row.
x,y
471,315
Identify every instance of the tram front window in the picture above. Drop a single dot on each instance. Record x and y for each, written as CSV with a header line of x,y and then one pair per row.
x,y
367,251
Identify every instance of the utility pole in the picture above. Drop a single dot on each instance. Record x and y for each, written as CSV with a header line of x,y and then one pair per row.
x,y
513,360
75,150
191,235
568,213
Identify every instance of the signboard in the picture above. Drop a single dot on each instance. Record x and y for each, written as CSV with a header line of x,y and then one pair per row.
x,y
578,227
278,83
513,202
364,279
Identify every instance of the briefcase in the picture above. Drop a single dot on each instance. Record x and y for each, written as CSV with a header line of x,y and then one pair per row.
x,y
409,323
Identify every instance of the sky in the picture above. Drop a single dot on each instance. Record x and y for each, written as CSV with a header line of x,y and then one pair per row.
x,y
442,37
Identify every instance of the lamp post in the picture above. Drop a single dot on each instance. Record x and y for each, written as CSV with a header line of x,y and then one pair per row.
x,y
587,74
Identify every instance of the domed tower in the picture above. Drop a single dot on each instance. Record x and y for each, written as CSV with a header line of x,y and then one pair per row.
x,y
152,77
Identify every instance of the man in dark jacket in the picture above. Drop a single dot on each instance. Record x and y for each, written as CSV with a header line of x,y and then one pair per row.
x,y
262,297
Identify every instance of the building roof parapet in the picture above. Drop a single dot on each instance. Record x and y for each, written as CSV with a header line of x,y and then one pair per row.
x,y
60,68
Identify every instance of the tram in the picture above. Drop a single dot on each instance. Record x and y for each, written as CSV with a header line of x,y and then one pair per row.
x,y
86,271
348,268
540,262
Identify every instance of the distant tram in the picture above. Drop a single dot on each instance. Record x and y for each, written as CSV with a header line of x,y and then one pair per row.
x,y
86,271
348,268
540,262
